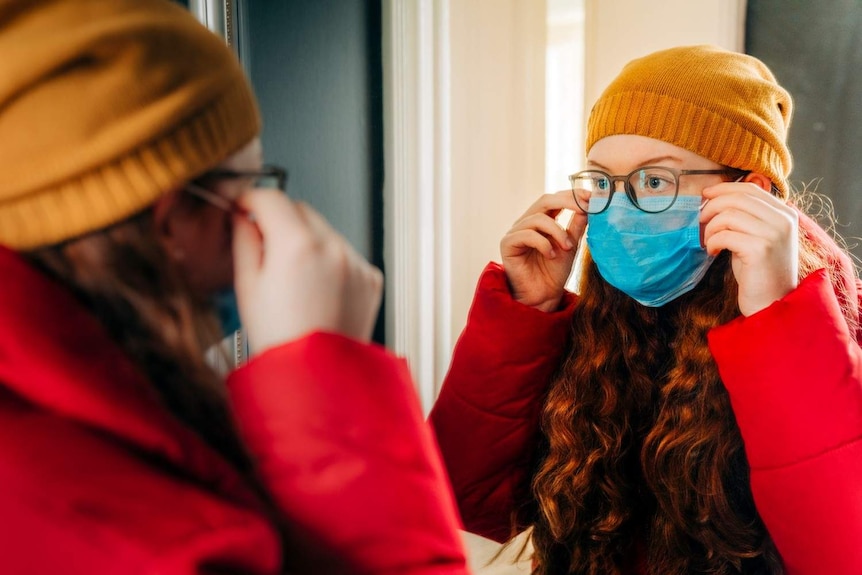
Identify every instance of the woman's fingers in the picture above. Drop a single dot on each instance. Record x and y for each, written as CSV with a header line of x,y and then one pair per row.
x,y
520,242
755,214
538,250
552,204
313,276
362,282
761,232
270,219
731,221
743,197
316,222
247,253
546,226
363,296
542,218
274,214
747,246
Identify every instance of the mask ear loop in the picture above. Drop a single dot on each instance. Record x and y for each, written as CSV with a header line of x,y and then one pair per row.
x,y
218,201
703,204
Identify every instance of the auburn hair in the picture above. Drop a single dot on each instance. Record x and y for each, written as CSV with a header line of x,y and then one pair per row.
x,y
124,276
640,444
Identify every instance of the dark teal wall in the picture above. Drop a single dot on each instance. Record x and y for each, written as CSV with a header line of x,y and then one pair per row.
x,y
815,50
317,70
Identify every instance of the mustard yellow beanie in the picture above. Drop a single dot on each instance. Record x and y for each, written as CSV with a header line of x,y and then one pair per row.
x,y
721,105
104,106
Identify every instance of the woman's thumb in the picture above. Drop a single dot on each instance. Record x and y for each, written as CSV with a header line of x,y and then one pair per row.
x,y
247,251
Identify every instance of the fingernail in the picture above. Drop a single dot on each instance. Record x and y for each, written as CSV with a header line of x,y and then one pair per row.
x,y
706,201
569,243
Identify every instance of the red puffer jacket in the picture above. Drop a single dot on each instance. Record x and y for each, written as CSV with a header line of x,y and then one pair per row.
x,y
97,477
794,375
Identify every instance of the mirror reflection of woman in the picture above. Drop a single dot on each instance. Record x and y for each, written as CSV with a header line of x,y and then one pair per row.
x,y
133,199
697,408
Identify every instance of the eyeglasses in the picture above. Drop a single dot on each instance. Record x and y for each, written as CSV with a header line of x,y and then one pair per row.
x,y
267,177
651,189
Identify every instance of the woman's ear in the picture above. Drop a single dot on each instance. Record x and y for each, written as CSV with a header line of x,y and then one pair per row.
x,y
165,218
759,180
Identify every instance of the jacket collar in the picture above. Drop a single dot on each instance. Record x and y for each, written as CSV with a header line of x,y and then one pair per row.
x,y
841,270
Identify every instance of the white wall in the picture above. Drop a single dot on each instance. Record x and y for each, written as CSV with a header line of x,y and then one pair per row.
x,y
464,147
621,30
498,130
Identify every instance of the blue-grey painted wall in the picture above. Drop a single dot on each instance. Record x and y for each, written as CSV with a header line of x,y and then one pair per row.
x,y
316,68
815,51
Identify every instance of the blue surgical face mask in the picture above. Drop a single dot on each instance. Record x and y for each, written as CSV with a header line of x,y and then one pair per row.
x,y
227,310
654,258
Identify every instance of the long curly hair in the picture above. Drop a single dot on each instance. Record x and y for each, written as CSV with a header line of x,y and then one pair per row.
x,y
641,447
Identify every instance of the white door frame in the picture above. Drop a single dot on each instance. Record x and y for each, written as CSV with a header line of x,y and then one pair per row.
x,y
416,193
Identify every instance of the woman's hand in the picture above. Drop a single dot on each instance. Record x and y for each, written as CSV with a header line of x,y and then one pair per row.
x,y
294,274
538,253
761,232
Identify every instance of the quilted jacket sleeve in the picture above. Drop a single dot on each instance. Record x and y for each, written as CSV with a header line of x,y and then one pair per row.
x,y
338,437
79,502
794,375
486,418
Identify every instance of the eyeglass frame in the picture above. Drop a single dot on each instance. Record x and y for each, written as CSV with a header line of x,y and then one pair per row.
x,y
268,170
629,189
202,192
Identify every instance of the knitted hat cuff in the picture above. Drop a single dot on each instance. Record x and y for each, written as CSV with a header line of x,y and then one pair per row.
x,y
688,126
722,105
116,190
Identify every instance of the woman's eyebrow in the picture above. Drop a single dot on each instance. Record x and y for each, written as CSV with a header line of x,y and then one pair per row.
x,y
648,162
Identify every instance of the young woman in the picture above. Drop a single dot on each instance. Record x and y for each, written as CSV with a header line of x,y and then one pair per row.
x,y
128,158
697,407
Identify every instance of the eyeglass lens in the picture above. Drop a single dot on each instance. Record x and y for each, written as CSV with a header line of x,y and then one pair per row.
x,y
269,177
272,181
653,189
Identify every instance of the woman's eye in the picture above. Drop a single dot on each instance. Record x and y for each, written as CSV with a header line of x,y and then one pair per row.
x,y
655,183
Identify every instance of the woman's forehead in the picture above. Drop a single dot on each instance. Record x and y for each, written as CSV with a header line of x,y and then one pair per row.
x,y
621,151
